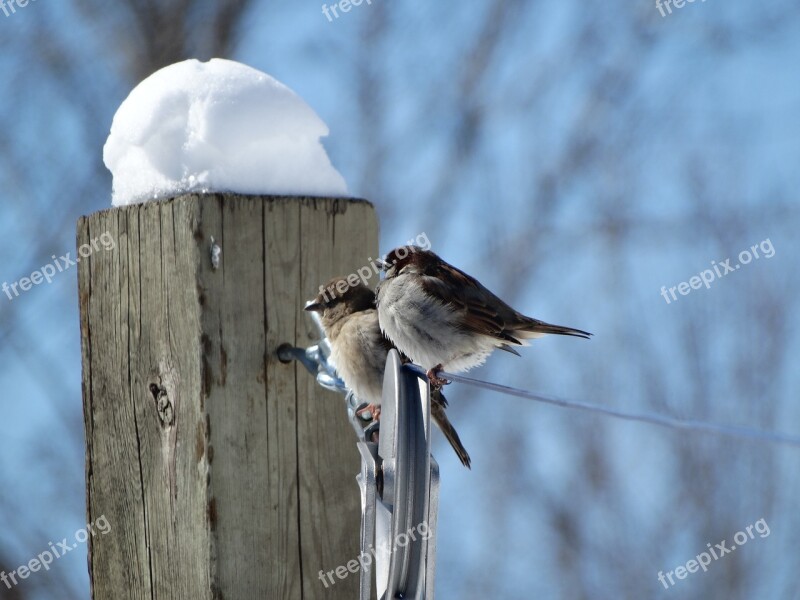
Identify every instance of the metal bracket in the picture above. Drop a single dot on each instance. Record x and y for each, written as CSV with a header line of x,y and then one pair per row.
x,y
316,359
406,511
399,479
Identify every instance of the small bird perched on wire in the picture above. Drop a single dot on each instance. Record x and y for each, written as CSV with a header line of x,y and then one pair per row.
x,y
359,349
443,319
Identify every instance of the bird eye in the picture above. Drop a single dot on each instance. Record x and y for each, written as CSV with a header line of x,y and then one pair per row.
x,y
381,264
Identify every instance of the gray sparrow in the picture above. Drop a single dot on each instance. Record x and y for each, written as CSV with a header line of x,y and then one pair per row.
x,y
359,349
443,319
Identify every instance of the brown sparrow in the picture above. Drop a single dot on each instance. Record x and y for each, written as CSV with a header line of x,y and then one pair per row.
x,y
359,349
443,319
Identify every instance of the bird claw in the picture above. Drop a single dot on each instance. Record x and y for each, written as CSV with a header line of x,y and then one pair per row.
x,y
437,382
373,409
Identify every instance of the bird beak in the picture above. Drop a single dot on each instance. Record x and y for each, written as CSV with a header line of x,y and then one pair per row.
x,y
381,264
312,306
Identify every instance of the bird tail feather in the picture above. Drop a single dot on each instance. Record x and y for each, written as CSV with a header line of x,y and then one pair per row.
x,y
438,402
539,328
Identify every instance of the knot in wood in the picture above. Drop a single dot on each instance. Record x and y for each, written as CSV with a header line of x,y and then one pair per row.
x,y
163,405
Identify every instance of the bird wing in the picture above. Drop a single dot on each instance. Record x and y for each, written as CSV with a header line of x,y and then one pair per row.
x,y
481,311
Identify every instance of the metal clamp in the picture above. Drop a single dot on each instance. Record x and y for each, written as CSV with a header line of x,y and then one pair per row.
x,y
316,359
406,508
399,479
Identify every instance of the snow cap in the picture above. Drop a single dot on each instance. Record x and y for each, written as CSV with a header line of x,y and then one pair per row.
x,y
218,126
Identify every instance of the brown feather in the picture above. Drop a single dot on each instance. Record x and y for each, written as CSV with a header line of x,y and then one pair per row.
x,y
480,311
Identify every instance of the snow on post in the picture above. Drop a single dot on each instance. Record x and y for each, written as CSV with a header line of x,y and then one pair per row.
x,y
218,126
223,472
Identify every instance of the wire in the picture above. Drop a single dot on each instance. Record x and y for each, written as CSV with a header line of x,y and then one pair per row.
x,y
652,418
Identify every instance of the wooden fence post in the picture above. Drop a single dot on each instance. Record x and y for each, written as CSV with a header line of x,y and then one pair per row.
x,y
222,472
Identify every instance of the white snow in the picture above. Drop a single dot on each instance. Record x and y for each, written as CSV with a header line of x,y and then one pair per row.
x,y
218,126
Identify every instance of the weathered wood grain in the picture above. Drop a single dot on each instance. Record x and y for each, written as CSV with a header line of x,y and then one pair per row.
x,y
222,472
